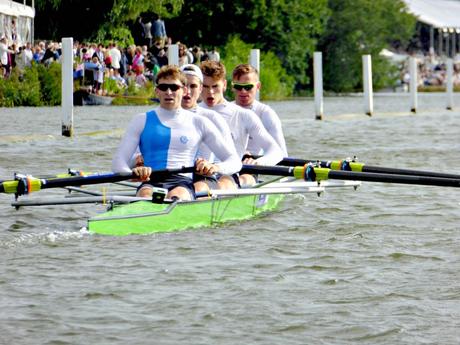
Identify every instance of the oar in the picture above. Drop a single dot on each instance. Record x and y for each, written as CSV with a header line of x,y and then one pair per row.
x,y
312,173
27,184
349,165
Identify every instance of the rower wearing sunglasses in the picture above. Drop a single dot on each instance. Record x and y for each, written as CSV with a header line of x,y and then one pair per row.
x,y
169,137
245,85
243,123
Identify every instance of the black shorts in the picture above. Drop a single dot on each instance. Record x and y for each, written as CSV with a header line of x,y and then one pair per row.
x,y
171,182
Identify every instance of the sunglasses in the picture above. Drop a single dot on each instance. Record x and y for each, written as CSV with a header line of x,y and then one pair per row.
x,y
240,86
172,87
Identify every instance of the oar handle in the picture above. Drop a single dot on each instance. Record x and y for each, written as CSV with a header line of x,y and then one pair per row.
x,y
267,170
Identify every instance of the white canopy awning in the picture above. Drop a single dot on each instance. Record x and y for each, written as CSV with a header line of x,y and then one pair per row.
x,y
16,9
437,13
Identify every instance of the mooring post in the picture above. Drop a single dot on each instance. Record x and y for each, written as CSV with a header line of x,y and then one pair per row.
x,y
173,54
254,61
67,86
318,84
450,83
367,85
413,83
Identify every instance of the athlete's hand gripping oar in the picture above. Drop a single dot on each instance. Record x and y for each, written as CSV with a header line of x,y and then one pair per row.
x,y
351,165
27,184
312,173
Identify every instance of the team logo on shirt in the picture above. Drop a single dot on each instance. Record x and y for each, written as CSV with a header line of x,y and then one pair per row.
x,y
183,139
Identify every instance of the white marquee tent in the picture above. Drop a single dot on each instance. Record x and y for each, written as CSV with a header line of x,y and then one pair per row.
x,y
16,21
442,16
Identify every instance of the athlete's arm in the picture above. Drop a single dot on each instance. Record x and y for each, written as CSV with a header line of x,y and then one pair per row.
x,y
272,152
122,159
229,163
272,124
221,125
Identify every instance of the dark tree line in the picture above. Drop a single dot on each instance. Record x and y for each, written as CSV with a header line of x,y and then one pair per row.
x,y
342,29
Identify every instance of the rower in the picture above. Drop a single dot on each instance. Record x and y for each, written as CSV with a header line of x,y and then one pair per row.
x,y
169,137
243,123
245,85
190,102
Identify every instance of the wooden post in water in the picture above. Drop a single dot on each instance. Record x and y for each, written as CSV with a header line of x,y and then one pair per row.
x,y
67,86
454,43
367,85
173,54
450,83
413,83
318,84
254,61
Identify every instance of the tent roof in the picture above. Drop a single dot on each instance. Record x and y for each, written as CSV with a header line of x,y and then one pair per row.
x,y
437,13
16,9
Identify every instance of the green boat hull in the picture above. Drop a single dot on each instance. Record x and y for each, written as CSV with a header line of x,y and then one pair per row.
x,y
144,217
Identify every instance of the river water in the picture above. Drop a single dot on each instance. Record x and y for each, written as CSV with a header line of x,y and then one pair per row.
x,y
379,265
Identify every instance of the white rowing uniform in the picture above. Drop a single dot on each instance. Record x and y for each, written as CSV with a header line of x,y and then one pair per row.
x,y
244,123
204,151
272,124
170,139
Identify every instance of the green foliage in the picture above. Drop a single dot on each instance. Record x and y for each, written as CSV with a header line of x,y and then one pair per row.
x,y
234,53
343,30
358,27
134,95
30,88
384,73
50,83
112,88
36,86
289,29
20,89
97,20
276,83
129,10
121,35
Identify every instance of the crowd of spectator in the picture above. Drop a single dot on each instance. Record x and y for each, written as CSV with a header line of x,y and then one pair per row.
x,y
431,71
138,64
131,64
94,63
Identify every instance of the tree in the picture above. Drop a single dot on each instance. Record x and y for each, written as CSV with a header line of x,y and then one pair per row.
x,y
358,27
343,30
97,20
289,29
277,84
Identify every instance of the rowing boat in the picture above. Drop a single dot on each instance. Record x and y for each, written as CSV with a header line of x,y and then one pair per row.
x,y
221,206
128,214
143,217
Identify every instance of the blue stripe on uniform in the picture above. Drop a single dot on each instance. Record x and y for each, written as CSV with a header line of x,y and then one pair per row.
x,y
154,142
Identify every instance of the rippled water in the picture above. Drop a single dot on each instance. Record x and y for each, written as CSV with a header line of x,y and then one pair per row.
x,y
379,265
